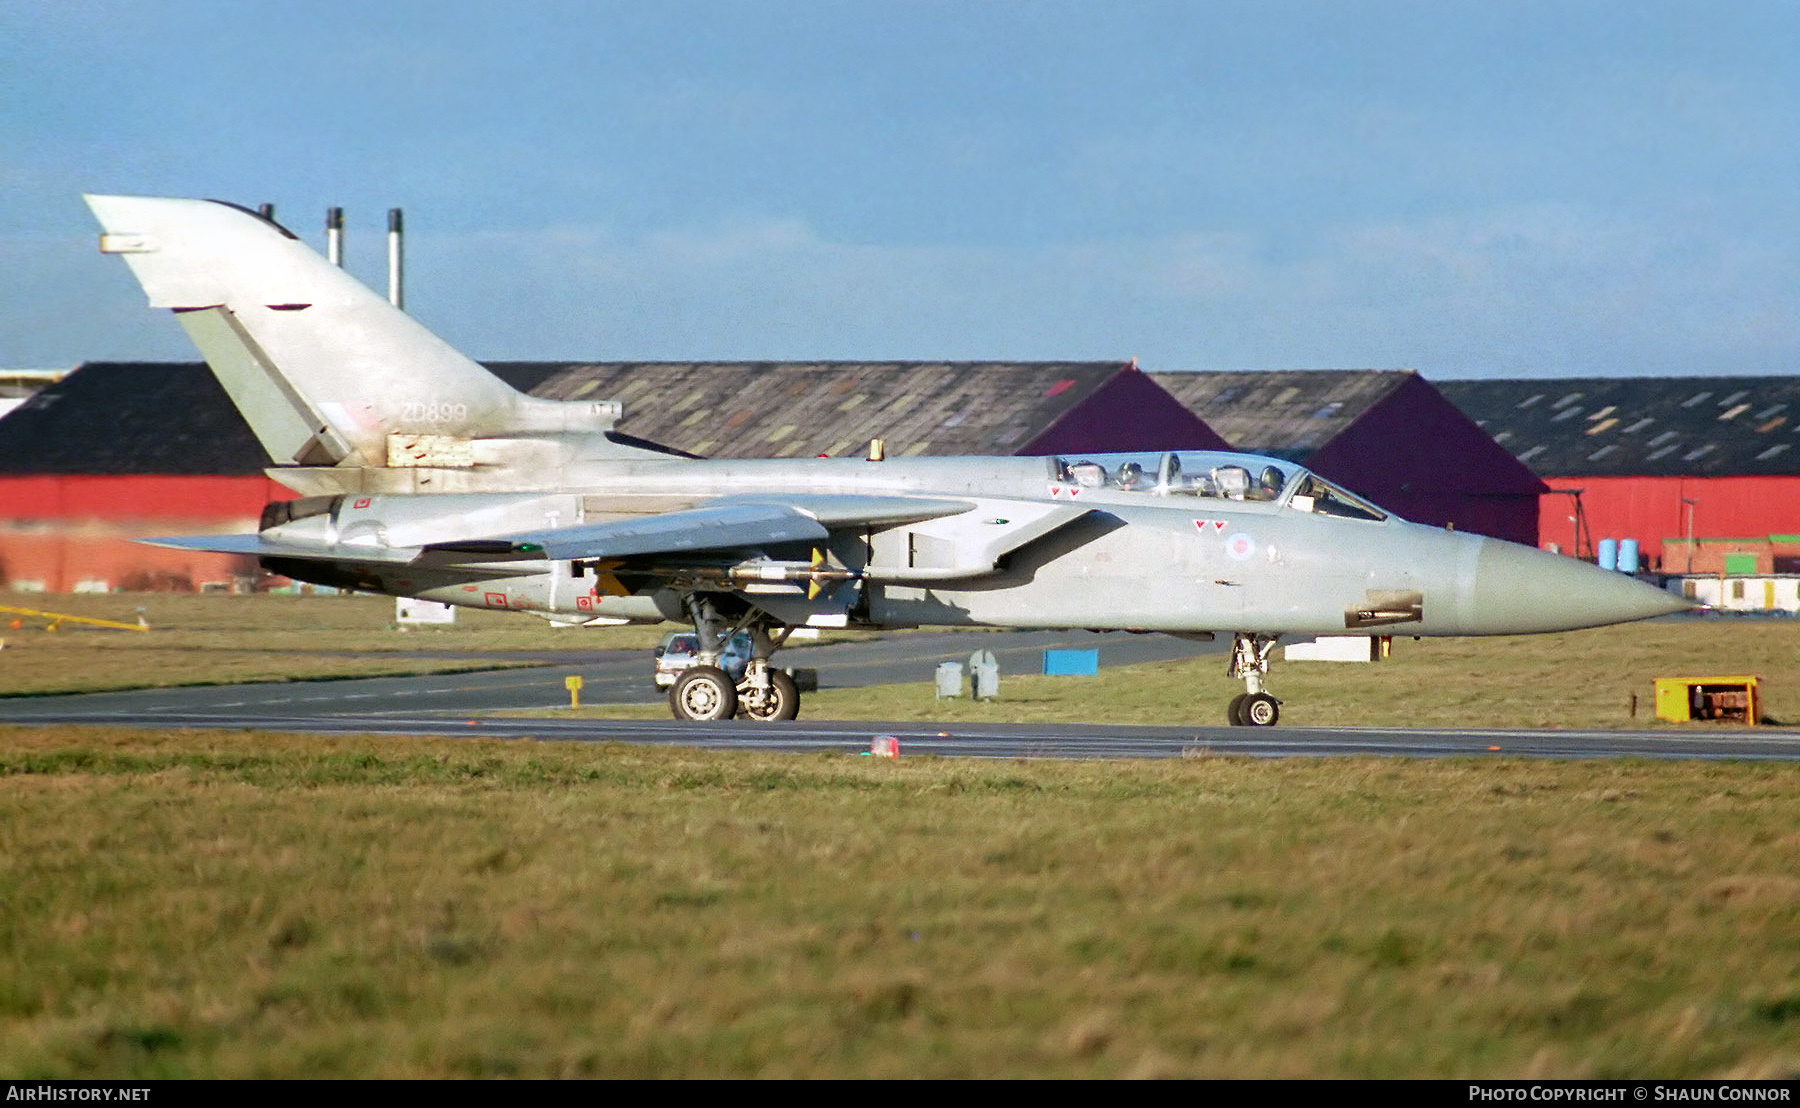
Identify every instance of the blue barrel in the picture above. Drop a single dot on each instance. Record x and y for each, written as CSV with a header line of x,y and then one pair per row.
x,y
1609,554
1628,556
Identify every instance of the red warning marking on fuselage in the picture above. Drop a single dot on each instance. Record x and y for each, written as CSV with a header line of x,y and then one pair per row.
x,y
1215,525
496,600
361,502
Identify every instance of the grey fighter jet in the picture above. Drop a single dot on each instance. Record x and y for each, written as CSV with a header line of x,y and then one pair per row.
x,y
420,474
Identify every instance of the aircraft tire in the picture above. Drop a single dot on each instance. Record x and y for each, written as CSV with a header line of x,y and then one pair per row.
x,y
784,704
703,694
1260,710
1235,711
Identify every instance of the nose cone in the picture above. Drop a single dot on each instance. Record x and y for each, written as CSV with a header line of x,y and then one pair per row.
x,y
1518,589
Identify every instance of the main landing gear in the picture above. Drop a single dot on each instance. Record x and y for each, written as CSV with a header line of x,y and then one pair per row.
x,y
705,692
1254,707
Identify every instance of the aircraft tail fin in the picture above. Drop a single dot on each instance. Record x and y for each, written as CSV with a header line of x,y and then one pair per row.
x,y
325,370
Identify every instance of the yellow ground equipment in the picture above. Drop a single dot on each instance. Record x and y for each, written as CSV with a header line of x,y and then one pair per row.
x,y
1680,699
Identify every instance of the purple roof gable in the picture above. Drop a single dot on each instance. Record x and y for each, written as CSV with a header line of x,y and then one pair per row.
x,y
1128,412
1413,436
1415,453
1386,434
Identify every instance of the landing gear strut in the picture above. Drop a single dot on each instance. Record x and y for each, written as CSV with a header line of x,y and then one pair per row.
x,y
766,694
706,692
1250,661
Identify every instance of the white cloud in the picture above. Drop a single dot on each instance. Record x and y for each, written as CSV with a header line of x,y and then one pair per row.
x,y
1524,290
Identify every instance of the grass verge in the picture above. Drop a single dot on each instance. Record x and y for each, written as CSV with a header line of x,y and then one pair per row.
x,y
250,905
215,640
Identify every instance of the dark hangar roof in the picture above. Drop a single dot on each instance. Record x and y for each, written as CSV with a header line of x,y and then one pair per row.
x,y
142,418
174,418
130,418
800,409
1640,426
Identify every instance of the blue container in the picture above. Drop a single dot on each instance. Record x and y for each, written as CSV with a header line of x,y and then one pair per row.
x,y
1609,554
1071,663
1628,556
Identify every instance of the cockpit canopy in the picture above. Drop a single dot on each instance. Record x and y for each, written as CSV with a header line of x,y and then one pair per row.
x,y
1205,473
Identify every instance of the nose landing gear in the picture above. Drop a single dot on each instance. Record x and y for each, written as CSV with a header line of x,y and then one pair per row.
x,y
1250,662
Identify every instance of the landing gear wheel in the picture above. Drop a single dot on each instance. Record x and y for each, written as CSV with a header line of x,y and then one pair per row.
x,y
1235,711
703,693
780,702
1260,710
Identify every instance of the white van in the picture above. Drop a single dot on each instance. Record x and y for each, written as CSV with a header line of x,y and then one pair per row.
x,y
679,648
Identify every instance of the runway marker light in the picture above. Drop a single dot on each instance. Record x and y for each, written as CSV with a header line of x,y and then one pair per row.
x,y
885,746
573,684
1493,748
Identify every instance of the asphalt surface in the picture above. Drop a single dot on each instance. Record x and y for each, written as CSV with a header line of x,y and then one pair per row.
x,y
456,704
608,677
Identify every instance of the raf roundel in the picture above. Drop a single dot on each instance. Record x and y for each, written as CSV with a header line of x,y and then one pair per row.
x,y
1240,547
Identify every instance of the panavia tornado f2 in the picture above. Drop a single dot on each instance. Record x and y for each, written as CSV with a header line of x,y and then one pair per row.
x,y
420,474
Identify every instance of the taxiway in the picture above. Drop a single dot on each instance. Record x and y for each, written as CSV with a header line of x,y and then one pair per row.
x,y
461,705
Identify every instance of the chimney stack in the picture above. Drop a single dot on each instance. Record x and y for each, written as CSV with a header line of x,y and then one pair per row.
x,y
395,274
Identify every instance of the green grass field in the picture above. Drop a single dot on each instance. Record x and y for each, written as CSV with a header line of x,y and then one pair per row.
x,y
249,905
228,639
183,904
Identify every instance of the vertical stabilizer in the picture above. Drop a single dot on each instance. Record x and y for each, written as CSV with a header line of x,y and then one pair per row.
x,y
325,370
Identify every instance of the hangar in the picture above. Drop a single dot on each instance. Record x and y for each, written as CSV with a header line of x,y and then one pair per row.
x,y
117,451
113,452
1703,472
804,409
1388,434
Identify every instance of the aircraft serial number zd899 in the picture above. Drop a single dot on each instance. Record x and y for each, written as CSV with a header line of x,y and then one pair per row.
x,y
418,411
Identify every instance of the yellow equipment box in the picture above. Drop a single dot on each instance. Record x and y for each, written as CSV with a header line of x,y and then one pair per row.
x,y
1680,699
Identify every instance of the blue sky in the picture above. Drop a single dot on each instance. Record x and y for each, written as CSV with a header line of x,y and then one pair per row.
x,y
1469,189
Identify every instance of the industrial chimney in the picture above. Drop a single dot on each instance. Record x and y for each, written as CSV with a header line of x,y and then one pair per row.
x,y
395,275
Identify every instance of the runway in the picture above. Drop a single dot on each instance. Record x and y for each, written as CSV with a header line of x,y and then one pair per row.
x,y
456,705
